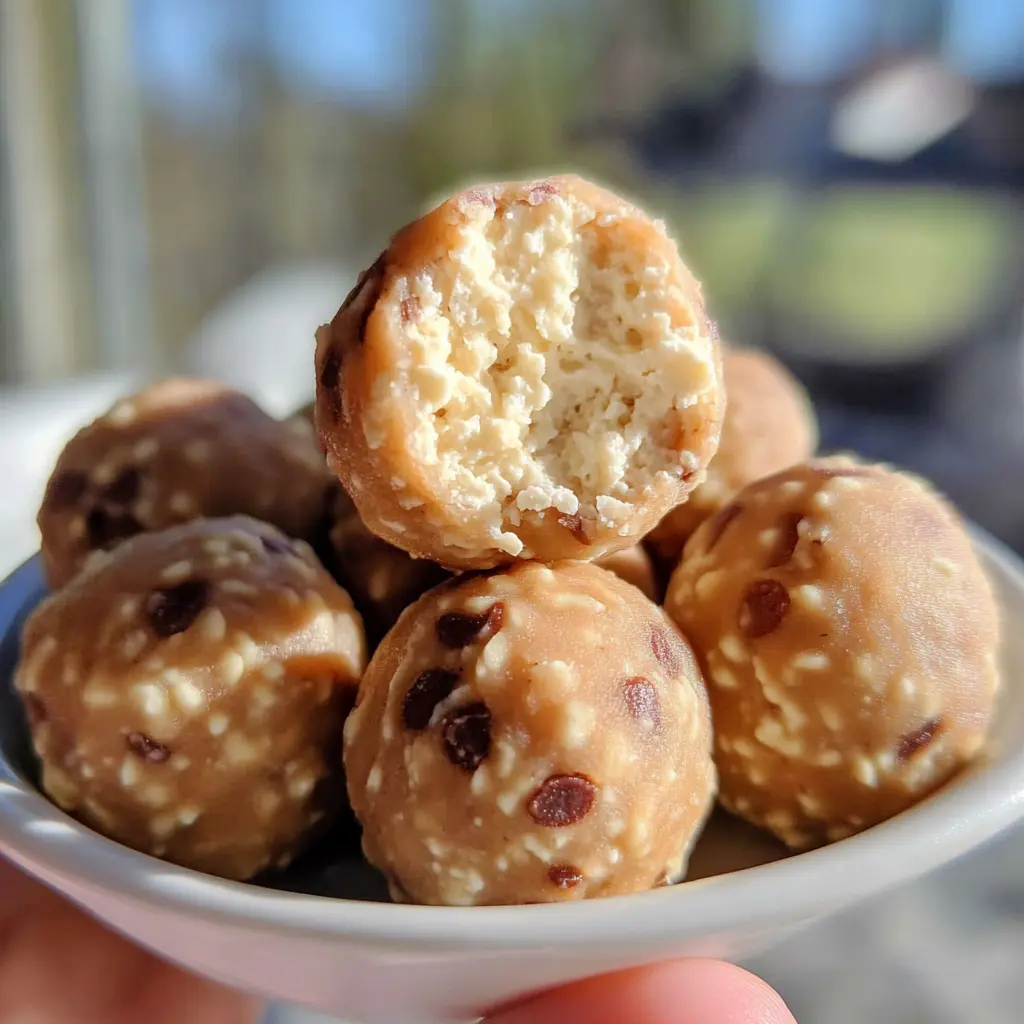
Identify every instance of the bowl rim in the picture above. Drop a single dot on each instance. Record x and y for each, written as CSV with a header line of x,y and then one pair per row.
x,y
986,799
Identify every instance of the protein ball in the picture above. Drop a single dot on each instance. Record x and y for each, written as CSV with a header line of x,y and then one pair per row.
x,y
634,566
382,579
186,694
533,735
526,372
769,425
849,638
178,450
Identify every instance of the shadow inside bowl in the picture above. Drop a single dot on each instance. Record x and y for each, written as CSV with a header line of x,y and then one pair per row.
x,y
333,867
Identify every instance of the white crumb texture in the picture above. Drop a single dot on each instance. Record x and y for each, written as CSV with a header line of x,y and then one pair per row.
x,y
544,368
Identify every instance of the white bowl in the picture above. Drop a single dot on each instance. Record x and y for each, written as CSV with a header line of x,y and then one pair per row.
x,y
374,961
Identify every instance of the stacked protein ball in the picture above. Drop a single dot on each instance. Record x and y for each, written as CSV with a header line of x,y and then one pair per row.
x,y
520,425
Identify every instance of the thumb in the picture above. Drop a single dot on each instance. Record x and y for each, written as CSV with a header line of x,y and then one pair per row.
x,y
681,992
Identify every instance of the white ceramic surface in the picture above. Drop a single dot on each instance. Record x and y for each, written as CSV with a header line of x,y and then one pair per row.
x,y
376,962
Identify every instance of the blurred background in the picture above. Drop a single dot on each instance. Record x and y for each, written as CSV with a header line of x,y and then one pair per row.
x,y
194,184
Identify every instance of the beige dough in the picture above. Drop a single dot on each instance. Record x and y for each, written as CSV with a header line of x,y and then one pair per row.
x,y
849,638
532,735
527,371
186,694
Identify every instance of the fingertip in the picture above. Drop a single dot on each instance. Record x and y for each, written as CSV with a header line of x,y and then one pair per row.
x,y
678,992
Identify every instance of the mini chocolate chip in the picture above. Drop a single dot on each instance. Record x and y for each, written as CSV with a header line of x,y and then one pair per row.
x,y
357,288
105,529
367,291
330,371
35,709
429,689
718,523
574,524
642,700
789,537
918,739
124,488
565,876
667,650
763,608
562,800
458,629
67,488
466,734
276,545
147,748
172,610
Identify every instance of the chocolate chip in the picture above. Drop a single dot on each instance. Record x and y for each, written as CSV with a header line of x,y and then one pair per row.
x,y
276,545
35,709
330,371
172,610
124,488
367,291
789,537
67,488
667,651
458,629
642,700
718,523
574,524
562,800
763,608
147,748
565,876
410,309
328,381
918,739
429,689
106,528
466,735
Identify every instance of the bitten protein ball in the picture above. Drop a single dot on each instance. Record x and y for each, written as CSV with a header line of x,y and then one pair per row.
x,y
535,735
176,451
849,639
769,425
186,694
526,372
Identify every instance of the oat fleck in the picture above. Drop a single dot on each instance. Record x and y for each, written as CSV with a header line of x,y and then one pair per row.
x,y
217,724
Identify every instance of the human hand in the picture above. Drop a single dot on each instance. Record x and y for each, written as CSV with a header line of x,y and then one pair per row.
x,y
59,966
677,992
